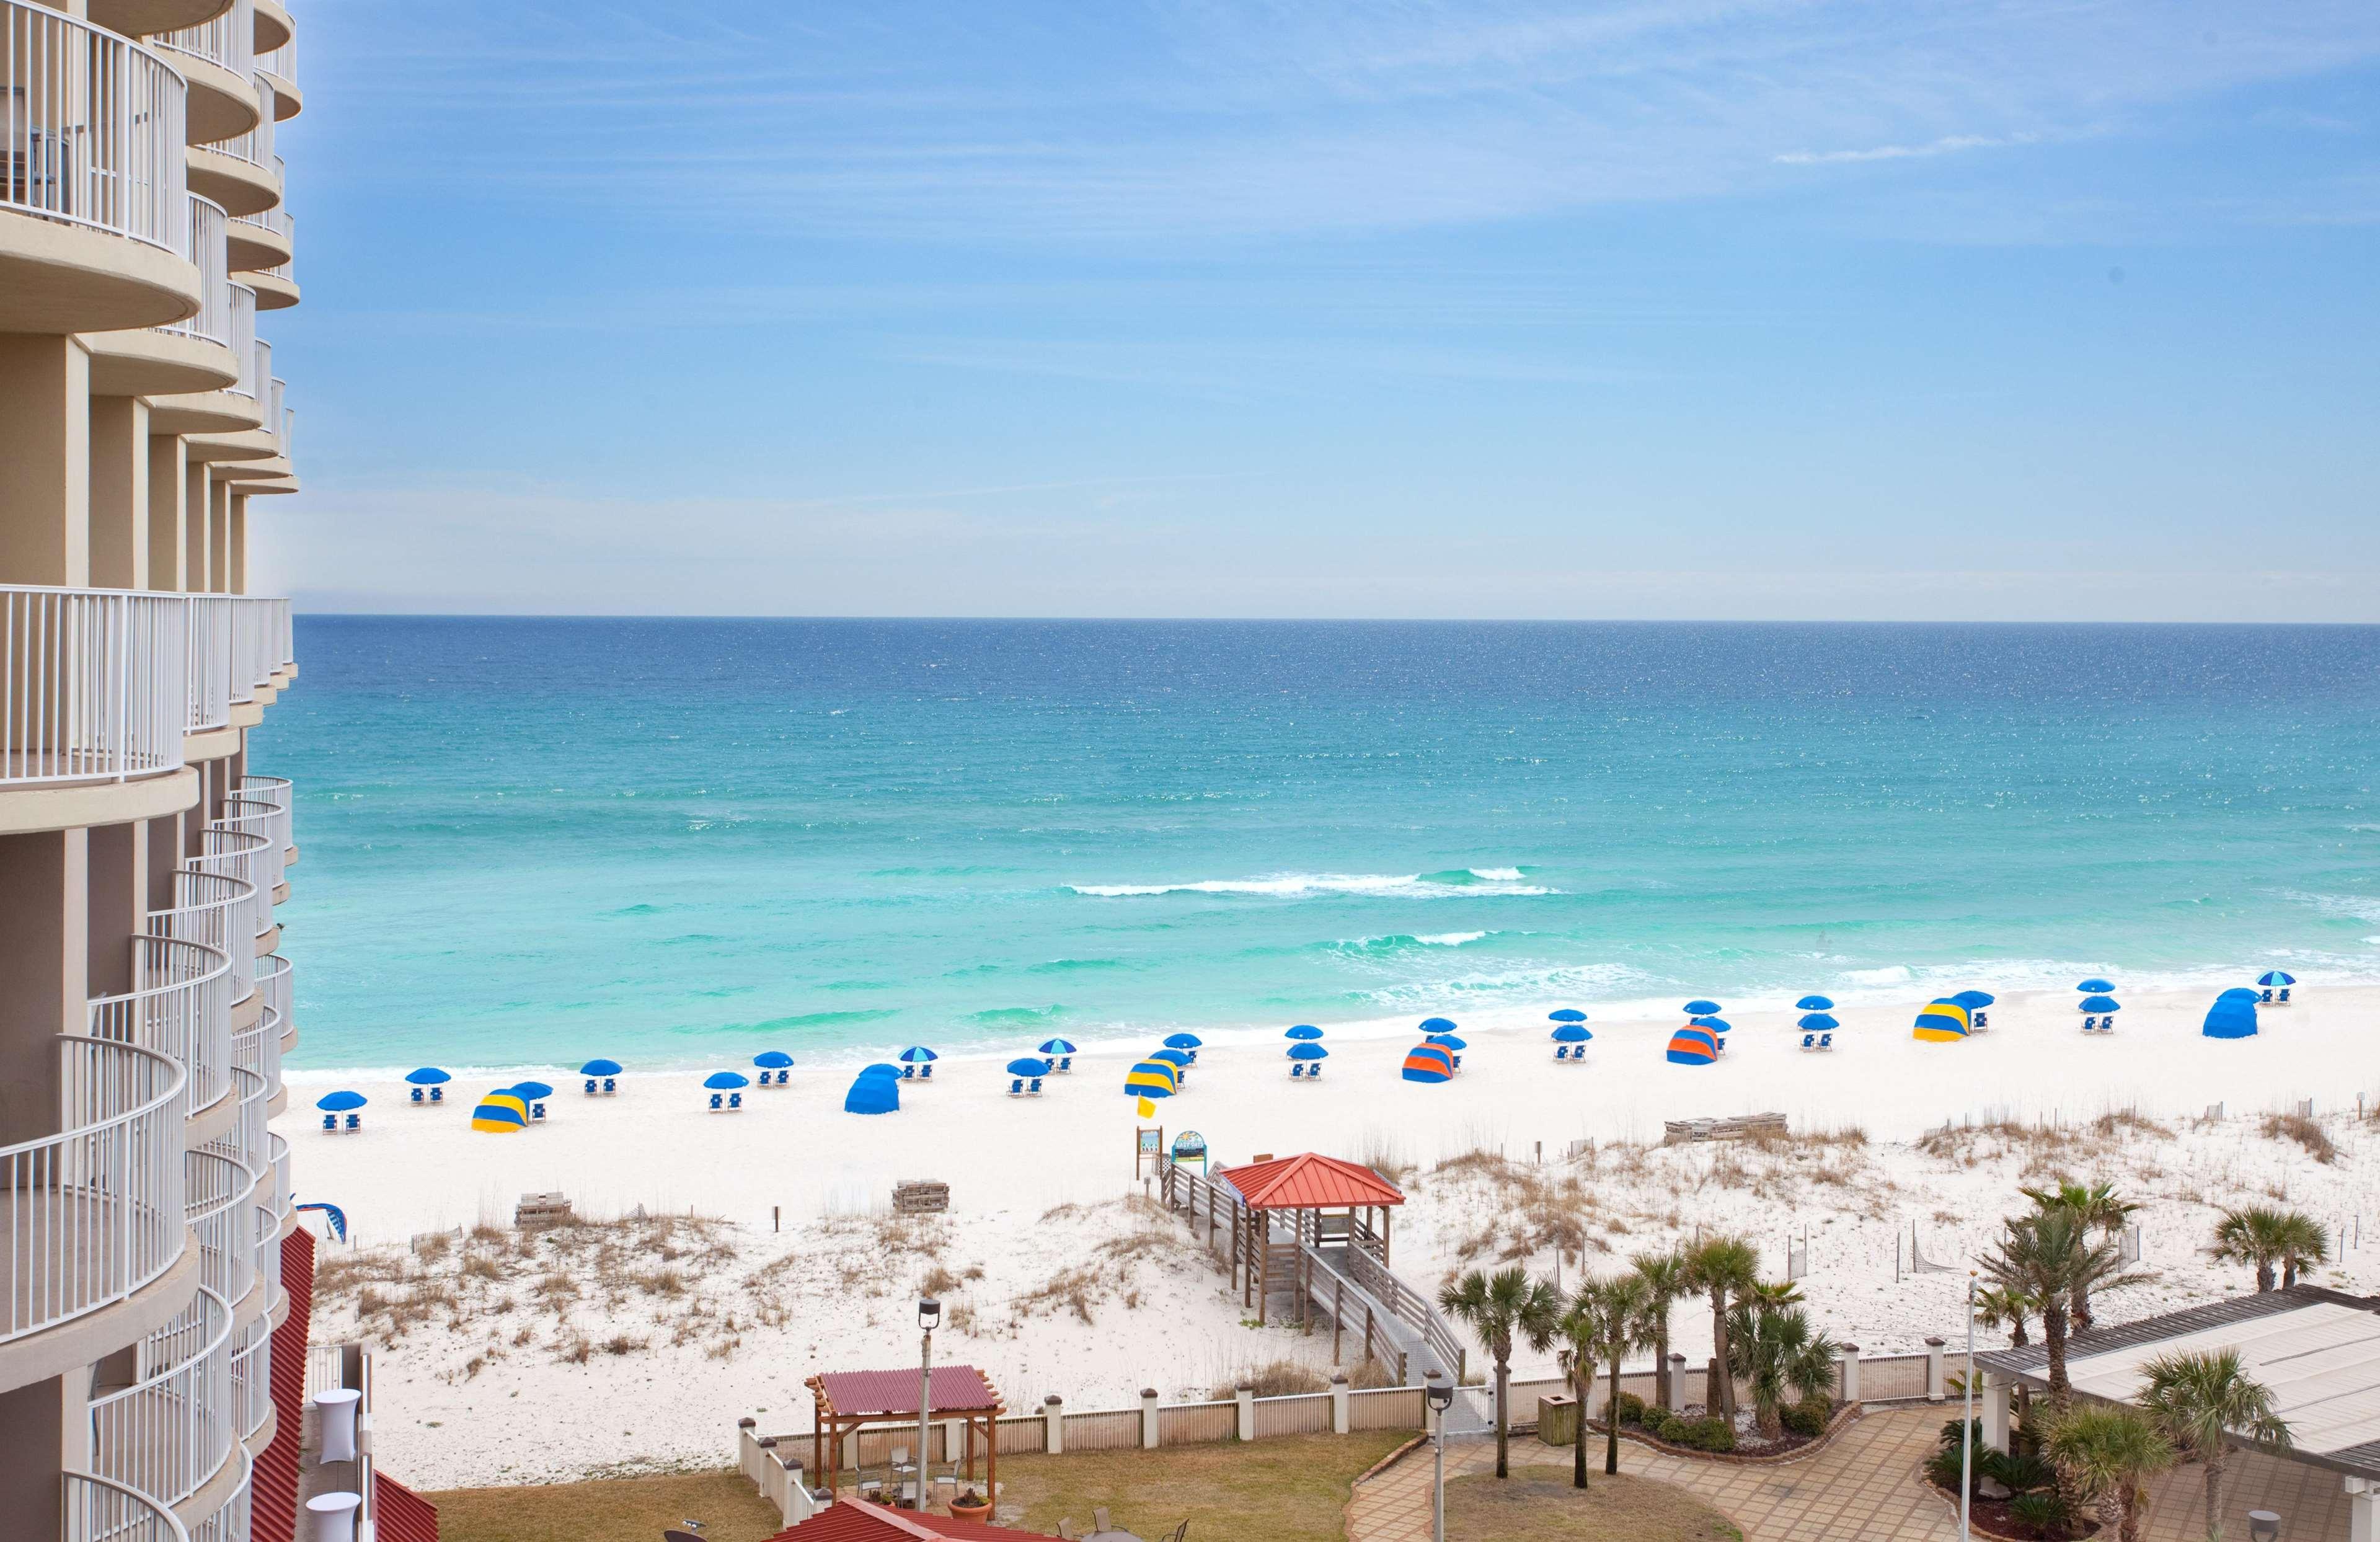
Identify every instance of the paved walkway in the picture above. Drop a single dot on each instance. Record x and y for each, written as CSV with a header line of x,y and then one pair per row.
x,y
1865,1488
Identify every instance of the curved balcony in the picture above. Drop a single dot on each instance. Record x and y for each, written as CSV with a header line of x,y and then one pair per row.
x,y
252,1378
230,409
196,353
217,57
278,793
170,1432
100,1510
230,1521
260,242
261,820
179,1007
95,218
92,1214
272,1022
140,18
279,68
242,855
241,173
217,909
258,627
222,1201
92,686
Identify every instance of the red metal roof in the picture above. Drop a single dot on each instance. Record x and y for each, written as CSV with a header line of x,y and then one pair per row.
x,y
272,1506
1308,1182
399,1514
857,1520
866,1394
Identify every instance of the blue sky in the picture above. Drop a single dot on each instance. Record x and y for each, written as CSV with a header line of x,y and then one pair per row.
x,y
2000,308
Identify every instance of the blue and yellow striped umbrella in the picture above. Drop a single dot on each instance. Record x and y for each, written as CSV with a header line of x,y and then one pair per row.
x,y
500,1113
1148,1081
1943,1022
1692,1045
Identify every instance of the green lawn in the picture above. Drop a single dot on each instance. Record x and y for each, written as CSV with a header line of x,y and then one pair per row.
x,y
1287,1490
607,1509
1537,1504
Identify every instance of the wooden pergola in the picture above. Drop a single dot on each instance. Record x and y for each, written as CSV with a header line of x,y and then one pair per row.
x,y
1330,1203
847,1402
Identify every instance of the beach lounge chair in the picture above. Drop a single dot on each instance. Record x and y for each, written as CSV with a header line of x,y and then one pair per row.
x,y
537,1110
1065,1063
908,1072
2090,1025
355,1121
2284,1000
610,1086
437,1094
1297,1071
734,1100
418,1095
1561,1051
1809,1041
590,1086
717,1102
1314,1072
1035,1089
331,1122
1980,1021
1826,1039
1016,1087
925,1073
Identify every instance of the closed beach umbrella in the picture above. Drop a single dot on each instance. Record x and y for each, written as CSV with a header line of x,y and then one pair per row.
x,y
1308,1051
1429,1062
1716,1024
2231,1016
2101,1004
1451,1041
340,1102
1176,1058
1692,1045
1813,1003
1942,1022
1700,1008
1057,1046
2094,983
429,1075
1974,999
1818,1022
1571,1033
531,1091
726,1080
918,1054
1029,1066
599,1068
873,1095
1182,1041
501,1113
773,1060
2276,977
1303,1030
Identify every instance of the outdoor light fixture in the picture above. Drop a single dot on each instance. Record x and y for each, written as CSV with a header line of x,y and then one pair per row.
x,y
2264,1526
930,1315
1439,1393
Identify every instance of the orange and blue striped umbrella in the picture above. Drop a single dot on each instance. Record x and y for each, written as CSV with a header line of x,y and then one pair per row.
x,y
1943,1022
1692,1045
1429,1062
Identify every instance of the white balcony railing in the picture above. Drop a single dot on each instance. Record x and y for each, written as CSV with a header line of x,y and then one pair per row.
x,y
256,365
180,1007
216,909
100,1510
262,820
283,1197
210,651
244,1142
228,41
171,1430
92,1214
276,793
91,128
251,1375
90,685
276,415
221,1193
231,1524
258,628
281,62
255,147
213,323
238,854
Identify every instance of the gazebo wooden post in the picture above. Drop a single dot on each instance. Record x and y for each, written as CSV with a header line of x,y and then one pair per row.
x,y
990,1457
1264,1253
1388,1220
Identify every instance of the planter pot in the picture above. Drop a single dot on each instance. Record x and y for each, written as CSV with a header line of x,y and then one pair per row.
x,y
972,1512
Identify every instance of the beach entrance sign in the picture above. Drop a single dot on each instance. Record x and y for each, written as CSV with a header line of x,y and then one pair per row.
x,y
1943,1022
1190,1147
1148,1149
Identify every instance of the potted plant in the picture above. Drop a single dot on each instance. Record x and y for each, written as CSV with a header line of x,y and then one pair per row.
x,y
971,1506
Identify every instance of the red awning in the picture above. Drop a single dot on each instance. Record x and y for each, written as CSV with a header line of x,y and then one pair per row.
x,y
874,1394
1311,1182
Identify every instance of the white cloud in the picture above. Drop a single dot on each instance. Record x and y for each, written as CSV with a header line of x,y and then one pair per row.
x,y
1947,144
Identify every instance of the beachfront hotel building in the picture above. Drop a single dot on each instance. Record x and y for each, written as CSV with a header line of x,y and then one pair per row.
x,y
144,1000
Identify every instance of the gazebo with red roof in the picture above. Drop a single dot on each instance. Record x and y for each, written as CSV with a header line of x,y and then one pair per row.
x,y
1309,1187
848,1400
857,1520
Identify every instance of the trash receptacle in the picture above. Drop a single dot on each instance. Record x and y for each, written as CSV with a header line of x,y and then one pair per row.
x,y
1558,1420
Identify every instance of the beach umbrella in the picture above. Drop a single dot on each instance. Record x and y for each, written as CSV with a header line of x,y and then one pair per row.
x,y
1716,1024
429,1075
1180,1059
1818,1022
873,1095
1692,1045
340,1102
1972,999
500,1113
1148,1081
918,1054
1429,1062
599,1068
1567,1014
1302,1031
2237,993
773,1060
1451,1041
1182,1041
1029,1066
530,1091
1436,1024
1057,1046
2276,977
1571,1033
1942,1022
2231,1016
1813,1003
725,1081
2094,983
1308,1051
1700,1008
2100,1003
881,1068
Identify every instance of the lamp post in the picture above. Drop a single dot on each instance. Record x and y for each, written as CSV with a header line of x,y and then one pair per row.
x,y
1439,1392
1967,1431
929,1313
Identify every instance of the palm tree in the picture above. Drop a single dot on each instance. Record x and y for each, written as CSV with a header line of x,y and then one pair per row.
x,y
1607,1320
2106,1451
2099,1207
2303,1241
2044,1257
1998,1309
2271,1239
1501,1307
2201,1400
1722,1266
1665,1280
1776,1353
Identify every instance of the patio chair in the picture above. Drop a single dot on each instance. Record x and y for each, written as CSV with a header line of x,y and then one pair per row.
x,y
1297,1071
1035,1090
1099,1519
537,1110
2284,998
437,1094
1826,1039
1017,1086
1065,1063
717,1102
1314,1072
734,1100
590,1086
355,1121
610,1086
925,1073
908,1072
420,1094
2267,1000
331,1122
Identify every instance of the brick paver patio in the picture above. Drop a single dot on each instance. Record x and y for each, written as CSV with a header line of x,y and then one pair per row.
x,y
1865,1488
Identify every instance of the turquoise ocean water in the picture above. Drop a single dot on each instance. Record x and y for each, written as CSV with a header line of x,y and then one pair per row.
x,y
529,842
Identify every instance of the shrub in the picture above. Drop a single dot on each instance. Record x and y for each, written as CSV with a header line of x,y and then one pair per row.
x,y
1804,1419
1712,1435
1666,1426
2043,1511
1630,1407
1946,1468
2020,1474
1972,1429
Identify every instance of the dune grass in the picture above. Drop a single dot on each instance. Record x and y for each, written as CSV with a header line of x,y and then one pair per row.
x,y
607,1509
1537,1504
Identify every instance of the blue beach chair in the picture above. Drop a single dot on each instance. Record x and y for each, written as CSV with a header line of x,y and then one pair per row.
x,y
2284,998
1297,1071
537,1110
355,1121
1809,1041
925,1073
1035,1089
418,1095
1314,1072
1065,1063
1826,1039
717,1102
734,1100
1017,1086
331,1122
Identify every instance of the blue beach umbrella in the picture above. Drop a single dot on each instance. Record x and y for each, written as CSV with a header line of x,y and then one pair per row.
x,y
1436,1024
1303,1031
1813,1003
1029,1066
2094,983
1571,1033
531,1091
2237,993
340,1102
1182,1041
2276,977
2100,1003
918,1054
1177,1058
773,1060
1818,1022
429,1075
1057,1046
726,1080
1308,1051
2233,1015
1972,999
1701,1008
1451,1041
599,1068
881,1068
873,1095
1716,1024
1567,1014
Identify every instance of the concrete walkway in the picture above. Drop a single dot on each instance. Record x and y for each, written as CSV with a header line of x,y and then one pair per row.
x,y
1865,1487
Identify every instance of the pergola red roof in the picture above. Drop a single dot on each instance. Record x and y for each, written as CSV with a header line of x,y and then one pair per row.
x,y
885,1394
1308,1182
857,1520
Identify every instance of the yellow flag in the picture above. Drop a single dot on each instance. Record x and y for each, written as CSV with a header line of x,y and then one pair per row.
x,y
1148,1109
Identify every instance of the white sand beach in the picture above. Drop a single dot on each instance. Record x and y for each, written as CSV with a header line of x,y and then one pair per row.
x,y
1060,1283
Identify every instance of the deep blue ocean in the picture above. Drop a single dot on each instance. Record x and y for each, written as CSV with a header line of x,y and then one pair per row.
x,y
527,842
